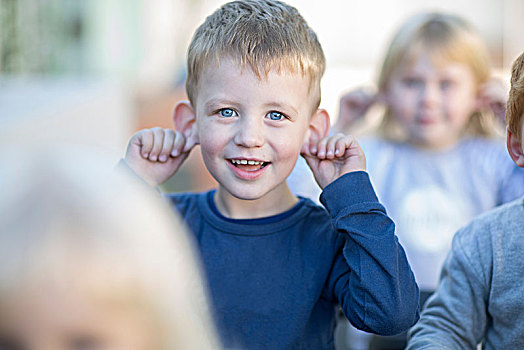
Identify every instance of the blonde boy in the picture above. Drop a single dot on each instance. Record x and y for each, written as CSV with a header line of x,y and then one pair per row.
x,y
277,265
480,295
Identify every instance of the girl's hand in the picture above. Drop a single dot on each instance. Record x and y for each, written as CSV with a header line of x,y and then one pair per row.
x,y
334,156
353,106
494,95
156,154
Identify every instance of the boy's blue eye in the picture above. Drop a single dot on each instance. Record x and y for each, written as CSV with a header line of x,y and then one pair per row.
x,y
276,116
227,112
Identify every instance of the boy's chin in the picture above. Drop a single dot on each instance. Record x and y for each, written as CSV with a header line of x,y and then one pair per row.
x,y
245,194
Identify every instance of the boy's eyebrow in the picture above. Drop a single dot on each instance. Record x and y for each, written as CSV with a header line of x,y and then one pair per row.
x,y
214,102
280,105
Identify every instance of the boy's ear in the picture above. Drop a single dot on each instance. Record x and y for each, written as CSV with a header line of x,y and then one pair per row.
x,y
515,148
318,127
185,121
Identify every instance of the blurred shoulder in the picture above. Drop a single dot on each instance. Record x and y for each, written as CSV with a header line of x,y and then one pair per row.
x,y
486,147
503,220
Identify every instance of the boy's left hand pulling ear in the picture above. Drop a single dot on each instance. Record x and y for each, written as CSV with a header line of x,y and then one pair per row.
x,y
493,95
333,156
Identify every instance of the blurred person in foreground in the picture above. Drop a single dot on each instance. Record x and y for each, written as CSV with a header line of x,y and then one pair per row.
x,y
480,297
93,259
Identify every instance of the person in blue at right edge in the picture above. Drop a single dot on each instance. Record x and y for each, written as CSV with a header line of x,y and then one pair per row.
x,y
277,265
480,297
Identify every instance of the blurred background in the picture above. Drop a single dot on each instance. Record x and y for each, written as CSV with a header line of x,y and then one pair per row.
x,y
95,71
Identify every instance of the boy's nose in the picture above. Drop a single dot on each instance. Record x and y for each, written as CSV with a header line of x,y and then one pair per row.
x,y
250,133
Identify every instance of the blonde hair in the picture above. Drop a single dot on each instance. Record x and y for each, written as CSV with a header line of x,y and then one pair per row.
x,y
77,226
446,38
260,34
515,106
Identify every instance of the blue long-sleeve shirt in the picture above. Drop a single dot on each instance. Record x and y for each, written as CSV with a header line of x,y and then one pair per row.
x,y
275,282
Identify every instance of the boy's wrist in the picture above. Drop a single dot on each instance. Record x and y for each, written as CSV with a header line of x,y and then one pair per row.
x,y
349,189
123,166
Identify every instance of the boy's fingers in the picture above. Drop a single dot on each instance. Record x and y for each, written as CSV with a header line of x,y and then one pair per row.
x,y
348,142
312,147
158,141
179,144
304,150
320,148
330,146
167,146
341,145
145,139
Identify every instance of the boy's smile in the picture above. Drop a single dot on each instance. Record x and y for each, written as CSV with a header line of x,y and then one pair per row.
x,y
251,129
248,169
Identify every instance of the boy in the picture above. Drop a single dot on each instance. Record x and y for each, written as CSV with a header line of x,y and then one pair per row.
x,y
480,295
277,265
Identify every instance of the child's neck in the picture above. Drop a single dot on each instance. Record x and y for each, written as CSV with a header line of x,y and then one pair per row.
x,y
440,146
275,202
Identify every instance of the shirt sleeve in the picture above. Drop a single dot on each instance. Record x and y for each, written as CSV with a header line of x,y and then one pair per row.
x,y
371,278
455,316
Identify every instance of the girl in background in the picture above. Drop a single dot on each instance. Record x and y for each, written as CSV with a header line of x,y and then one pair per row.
x,y
437,158
89,260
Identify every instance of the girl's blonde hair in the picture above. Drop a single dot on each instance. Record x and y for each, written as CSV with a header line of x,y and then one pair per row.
x,y
446,38
258,34
69,222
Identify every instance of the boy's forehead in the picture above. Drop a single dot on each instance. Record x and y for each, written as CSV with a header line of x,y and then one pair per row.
x,y
228,67
260,71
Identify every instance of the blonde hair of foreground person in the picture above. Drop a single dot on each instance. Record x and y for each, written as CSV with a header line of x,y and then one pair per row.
x,y
90,257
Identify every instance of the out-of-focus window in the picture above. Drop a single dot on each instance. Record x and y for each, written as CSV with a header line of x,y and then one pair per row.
x,y
42,36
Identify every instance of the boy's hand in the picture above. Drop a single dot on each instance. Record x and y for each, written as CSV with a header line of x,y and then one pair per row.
x,y
493,95
156,154
353,106
333,156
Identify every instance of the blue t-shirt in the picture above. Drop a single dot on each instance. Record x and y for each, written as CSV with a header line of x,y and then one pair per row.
x,y
275,283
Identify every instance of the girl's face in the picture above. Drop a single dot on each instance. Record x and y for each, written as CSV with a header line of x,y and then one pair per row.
x,y
433,103
66,322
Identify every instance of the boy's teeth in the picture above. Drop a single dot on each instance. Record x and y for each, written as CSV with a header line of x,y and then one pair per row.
x,y
245,161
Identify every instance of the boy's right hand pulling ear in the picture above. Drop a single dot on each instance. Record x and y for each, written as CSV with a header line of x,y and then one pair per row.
x,y
156,154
